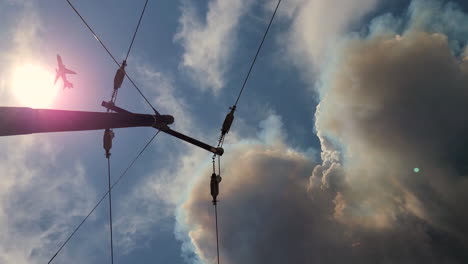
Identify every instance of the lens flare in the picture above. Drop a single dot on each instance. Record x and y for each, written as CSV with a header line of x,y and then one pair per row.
x,y
33,86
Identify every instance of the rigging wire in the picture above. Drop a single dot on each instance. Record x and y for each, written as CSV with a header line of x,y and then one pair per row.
x,y
258,51
107,144
103,197
224,130
110,210
92,31
214,186
118,79
128,53
230,116
110,54
144,97
216,211
216,220
216,179
136,30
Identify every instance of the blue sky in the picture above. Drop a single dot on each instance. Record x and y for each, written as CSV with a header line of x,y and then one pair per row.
x,y
301,182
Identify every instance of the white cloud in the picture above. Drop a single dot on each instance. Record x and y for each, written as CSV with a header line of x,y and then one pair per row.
x,y
209,42
155,196
317,25
39,199
165,96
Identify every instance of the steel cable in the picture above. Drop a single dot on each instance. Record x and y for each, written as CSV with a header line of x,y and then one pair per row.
x,y
233,108
110,210
102,198
136,30
256,55
110,54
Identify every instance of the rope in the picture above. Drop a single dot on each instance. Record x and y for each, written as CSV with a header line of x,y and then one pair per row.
x,y
102,198
110,54
136,30
258,51
110,210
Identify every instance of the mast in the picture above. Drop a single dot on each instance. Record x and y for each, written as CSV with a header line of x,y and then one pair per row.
x,y
25,120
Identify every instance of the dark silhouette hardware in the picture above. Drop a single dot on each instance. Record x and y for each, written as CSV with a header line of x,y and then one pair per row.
x,y
25,120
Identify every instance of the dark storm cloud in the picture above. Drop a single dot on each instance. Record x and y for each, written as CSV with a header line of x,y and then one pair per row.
x,y
399,103
389,103
266,215
392,103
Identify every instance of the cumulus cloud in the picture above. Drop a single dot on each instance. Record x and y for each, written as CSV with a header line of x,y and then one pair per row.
x,y
270,173
153,200
209,41
40,201
391,101
165,97
144,211
317,25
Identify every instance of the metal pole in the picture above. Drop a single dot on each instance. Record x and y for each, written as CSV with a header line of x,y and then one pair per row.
x,y
24,120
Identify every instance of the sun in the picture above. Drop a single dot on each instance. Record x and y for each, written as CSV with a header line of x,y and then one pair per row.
x,y
33,86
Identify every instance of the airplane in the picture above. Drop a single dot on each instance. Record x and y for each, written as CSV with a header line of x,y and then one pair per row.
x,y
62,71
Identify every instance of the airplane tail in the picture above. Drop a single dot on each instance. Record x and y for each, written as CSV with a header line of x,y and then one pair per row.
x,y
67,84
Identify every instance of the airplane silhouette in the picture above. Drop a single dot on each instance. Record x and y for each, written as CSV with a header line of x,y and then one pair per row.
x,y
62,71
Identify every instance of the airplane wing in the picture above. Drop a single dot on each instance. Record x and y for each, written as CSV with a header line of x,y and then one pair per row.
x,y
67,71
56,77
59,61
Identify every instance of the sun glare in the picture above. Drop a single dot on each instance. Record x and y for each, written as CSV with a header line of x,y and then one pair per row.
x,y
33,86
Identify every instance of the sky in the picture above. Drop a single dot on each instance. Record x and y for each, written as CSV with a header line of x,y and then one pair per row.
x,y
348,145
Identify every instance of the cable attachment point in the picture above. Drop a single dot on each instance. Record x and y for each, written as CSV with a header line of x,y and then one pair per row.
x,y
214,186
112,107
107,141
228,121
120,75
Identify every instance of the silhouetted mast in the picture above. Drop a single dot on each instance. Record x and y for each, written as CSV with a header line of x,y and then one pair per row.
x,y
25,120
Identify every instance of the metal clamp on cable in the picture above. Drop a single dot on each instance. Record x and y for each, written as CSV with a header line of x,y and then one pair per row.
x,y
120,75
107,141
161,122
111,106
214,186
228,121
